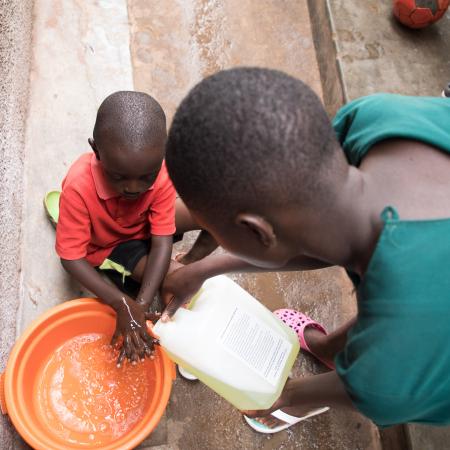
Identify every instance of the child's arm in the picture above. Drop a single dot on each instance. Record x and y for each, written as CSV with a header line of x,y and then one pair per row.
x,y
131,317
162,227
182,284
155,269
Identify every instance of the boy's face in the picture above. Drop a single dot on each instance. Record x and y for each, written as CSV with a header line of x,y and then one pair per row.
x,y
129,173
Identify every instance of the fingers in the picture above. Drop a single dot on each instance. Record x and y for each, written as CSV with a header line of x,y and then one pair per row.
x,y
149,340
137,343
148,350
179,257
129,347
135,348
172,308
138,346
115,337
149,344
152,316
166,297
121,357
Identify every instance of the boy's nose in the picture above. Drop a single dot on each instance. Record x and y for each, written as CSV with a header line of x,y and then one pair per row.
x,y
133,187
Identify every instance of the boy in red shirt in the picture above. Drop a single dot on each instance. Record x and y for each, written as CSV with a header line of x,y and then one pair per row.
x,y
117,214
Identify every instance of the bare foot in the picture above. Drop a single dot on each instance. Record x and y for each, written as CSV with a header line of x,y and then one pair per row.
x,y
174,265
203,246
186,258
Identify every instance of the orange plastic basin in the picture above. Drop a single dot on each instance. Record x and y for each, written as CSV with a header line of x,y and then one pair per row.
x,y
62,390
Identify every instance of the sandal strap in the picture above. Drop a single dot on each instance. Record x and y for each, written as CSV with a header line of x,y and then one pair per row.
x,y
285,417
298,322
292,420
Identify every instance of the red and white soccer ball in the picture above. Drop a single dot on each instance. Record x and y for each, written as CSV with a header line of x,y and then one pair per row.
x,y
419,13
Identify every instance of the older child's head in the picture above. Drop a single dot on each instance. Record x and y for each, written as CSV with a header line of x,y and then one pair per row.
x,y
247,148
129,140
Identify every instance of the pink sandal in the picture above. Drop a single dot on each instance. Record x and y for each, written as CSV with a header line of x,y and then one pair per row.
x,y
298,322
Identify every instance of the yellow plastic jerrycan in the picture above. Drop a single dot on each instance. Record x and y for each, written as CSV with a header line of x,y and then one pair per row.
x,y
232,343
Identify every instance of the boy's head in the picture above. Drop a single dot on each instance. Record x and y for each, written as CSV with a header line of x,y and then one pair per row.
x,y
129,140
248,149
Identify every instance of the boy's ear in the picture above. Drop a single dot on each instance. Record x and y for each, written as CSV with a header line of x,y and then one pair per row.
x,y
258,226
94,148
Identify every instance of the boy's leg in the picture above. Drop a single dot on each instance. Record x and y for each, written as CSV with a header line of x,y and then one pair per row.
x,y
203,246
139,269
122,262
205,243
136,279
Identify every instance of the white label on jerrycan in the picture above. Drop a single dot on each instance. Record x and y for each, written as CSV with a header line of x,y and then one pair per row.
x,y
254,343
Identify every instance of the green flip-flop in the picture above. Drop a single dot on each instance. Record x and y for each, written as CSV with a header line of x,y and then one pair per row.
x,y
51,205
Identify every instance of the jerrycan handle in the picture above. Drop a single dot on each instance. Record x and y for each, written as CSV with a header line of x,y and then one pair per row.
x,y
3,406
150,331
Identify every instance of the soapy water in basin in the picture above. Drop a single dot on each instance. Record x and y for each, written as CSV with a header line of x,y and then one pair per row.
x,y
84,398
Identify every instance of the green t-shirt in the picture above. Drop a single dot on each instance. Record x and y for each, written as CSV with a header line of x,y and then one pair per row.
x,y
396,363
366,121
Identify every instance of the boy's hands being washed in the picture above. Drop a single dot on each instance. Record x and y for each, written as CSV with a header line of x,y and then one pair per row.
x,y
131,325
131,316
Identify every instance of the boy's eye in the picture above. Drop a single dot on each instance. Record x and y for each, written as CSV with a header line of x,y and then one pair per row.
x,y
149,177
116,177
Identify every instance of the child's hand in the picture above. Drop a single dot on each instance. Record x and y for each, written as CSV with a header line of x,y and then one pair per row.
x,y
130,324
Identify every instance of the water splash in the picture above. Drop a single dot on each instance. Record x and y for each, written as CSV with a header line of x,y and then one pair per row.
x,y
85,398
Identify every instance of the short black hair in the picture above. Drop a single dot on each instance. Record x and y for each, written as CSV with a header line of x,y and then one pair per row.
x,y
249,136
134,119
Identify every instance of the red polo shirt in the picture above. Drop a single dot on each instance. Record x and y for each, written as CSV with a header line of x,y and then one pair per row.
x,y
93,218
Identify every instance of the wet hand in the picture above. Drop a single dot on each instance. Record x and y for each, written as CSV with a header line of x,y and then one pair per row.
x,y
131,326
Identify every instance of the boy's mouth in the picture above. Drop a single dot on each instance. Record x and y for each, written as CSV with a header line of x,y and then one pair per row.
x,y
131,195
